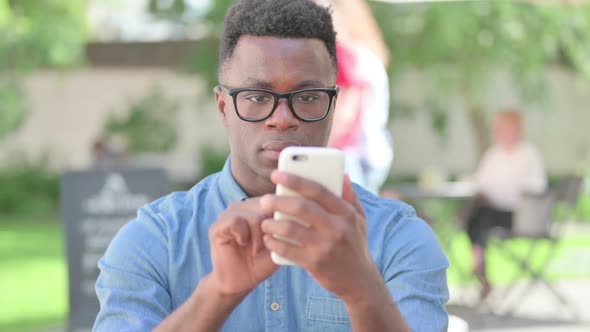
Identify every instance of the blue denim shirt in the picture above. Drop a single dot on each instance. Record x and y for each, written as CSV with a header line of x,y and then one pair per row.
x,y
155,262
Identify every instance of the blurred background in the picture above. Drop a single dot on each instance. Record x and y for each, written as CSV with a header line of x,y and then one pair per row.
x,y
111,84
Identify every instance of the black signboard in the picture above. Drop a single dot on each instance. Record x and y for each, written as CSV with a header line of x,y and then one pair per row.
x,y
95,205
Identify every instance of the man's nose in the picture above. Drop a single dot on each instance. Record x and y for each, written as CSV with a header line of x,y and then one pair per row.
x,y
282,118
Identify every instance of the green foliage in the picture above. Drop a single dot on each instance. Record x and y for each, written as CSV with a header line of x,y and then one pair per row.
x,y
41,33
205,62
582,209
28,187
473,38
582,212
149,125
217,13
462,44
32,266
167,9
13,107
34,34
212,159
206,58
573,248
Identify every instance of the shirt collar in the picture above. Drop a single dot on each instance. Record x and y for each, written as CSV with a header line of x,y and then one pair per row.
x,y
228,187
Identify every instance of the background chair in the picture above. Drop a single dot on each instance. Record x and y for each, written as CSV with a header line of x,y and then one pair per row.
x,y
534,221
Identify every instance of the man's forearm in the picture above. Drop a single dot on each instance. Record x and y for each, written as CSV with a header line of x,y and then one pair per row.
x,y
205,310
375,310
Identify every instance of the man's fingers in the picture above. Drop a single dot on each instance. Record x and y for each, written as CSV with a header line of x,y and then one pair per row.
x,y
250,210
284,249
289,231
251,205
240,231
349,195
305,211
256,235
309,189
243,227
319,194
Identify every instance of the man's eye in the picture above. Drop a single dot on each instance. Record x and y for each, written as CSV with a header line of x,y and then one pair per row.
x,y
258,98
307,98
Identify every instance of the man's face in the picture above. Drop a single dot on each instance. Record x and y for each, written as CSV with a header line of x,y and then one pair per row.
x,y
282,65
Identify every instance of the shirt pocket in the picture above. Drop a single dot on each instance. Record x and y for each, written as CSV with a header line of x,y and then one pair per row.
x,y
327,314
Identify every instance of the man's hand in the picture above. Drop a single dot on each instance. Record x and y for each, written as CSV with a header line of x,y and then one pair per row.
x,y
333,248
240,263
240,259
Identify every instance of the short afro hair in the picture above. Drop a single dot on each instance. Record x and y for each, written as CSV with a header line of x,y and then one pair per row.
x,y
277,18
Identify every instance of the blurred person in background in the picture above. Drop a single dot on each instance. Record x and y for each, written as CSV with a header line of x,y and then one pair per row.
x,y
360,121
107,155
508,169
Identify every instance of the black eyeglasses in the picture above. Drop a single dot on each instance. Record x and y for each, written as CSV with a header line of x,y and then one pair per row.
x,y
307,105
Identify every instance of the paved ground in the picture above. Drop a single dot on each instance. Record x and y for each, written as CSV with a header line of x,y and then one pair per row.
x,y
537,311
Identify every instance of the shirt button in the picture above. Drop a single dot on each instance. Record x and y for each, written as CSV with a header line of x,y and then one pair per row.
x,y
275,306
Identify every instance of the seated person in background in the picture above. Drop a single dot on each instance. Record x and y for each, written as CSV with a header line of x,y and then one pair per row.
x,y
508,169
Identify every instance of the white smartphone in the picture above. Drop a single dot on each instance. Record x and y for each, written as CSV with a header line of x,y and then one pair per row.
x,y
322,165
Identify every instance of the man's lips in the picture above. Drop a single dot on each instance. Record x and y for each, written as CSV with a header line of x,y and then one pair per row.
x,y
273,148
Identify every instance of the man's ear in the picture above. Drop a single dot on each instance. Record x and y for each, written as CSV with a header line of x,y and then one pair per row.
x,y
221,105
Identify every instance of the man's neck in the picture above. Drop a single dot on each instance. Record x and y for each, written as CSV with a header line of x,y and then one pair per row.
x,y
253,184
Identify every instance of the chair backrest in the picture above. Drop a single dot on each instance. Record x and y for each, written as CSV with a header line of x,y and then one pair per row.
x,y
534,215
568,190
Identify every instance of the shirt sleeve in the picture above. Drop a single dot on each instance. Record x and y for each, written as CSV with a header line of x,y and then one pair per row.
x,y
416,274
132,286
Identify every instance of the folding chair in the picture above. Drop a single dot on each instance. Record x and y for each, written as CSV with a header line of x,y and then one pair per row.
x,y
534,221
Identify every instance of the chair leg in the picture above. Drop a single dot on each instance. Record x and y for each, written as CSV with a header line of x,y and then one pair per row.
x,y
537,276
523,268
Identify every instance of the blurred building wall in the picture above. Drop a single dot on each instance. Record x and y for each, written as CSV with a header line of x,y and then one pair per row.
x,y
69,110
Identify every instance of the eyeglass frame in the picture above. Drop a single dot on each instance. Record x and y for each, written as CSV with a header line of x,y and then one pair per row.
x,y
233,92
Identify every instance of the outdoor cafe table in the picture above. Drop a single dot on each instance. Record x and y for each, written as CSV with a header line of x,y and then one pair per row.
x,y
445,190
